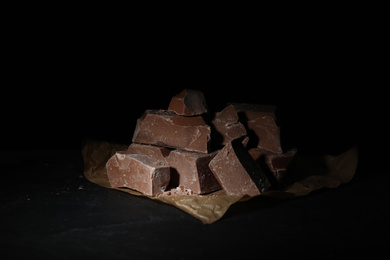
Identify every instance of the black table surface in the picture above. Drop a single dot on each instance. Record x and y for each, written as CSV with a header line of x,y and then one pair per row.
x,y
49,210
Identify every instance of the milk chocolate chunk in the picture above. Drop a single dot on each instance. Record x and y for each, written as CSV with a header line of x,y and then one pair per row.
x,y
227,125
237,172
262,125
156,152
165,128
139,172
188,102
276,163
191,171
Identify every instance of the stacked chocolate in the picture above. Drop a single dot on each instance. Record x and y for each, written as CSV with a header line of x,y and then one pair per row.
x,y
187,149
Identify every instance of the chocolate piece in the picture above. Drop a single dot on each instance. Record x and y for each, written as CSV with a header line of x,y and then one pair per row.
x,y
262,125
189,102
191,171
244,140
276,163
156,152
165,128
138,172
237,172
227,126
257,154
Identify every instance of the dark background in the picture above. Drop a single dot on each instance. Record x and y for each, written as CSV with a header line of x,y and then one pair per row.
x,y
67,79
56,108
57,105
74,72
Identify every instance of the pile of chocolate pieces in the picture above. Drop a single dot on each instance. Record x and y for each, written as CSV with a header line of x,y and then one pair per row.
x,y
186,150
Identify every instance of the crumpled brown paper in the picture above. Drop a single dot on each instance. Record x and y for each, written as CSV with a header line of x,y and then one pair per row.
x,y
309,173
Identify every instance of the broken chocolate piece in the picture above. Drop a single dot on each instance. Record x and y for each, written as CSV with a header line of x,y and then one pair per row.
x,y
262,125
156,152
237,172
188,102
139,172
256,153
191,171
165,128
227,125
276,163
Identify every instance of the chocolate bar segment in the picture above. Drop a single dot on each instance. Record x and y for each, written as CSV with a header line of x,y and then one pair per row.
x,y
237,172
165,128
190,170
276,163
139,172
227,126
188,102
156,152
262,125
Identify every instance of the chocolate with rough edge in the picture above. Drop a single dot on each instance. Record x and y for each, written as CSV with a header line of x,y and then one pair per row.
x,y
237,172
276,163
190,170
227,125
139,172
165,128
188,102
262,124
156,152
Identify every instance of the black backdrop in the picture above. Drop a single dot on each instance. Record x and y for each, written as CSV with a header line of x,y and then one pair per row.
x,y
57,108
64,82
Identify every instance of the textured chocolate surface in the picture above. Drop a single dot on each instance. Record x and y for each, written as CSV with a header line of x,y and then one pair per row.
x,y
277,164
227,126
165,128
188,102
191,171
138,172
156,152
261,122
237,172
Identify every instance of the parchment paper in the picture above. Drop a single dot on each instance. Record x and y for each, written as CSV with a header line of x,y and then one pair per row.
x,y
307,173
